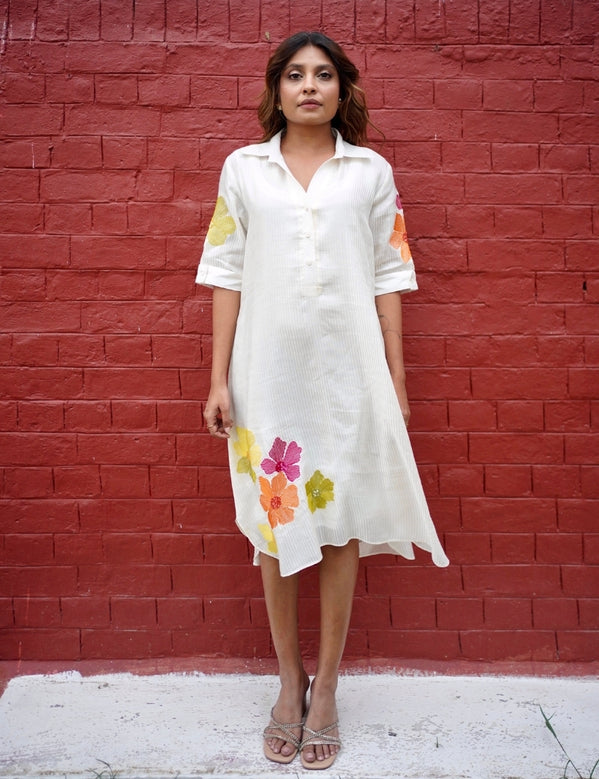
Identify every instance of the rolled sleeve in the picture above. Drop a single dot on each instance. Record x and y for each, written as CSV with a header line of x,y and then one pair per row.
x,y
394,268
221,263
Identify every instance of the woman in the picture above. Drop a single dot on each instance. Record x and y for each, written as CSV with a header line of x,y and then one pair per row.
x,y
308,257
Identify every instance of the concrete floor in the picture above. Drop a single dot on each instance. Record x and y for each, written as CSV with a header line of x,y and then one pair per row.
x,y
407,724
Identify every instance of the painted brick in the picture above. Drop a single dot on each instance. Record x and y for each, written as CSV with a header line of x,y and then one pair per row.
x,y
512,580
31,549
28,482
223,642
589,613
37,612
511,448
463,613
85,612
78,548
43,417
560,481
559,548
513,514
591,548
512,547
520,415
460,480
463,547
125,579
577,515
136,515
39,580
127,547
435,644
580,581
517,645
97,643
227,612
41,644
177,548
579,646
508,480
508,613
133,612
413,613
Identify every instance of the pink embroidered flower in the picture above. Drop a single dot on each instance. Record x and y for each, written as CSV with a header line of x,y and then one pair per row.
x,y
283,458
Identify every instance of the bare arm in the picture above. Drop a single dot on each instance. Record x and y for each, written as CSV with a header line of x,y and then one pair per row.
x,y
388,308
225,309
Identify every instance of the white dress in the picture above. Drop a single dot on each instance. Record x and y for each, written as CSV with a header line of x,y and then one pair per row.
x,y
319,453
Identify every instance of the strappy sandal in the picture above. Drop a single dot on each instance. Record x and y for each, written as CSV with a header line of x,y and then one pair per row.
x,y
289,736
319,738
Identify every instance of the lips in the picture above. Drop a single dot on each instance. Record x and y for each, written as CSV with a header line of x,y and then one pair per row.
x,y
310,102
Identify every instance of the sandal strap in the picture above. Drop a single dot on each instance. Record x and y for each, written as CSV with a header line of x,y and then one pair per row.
x,y
285,728
320,737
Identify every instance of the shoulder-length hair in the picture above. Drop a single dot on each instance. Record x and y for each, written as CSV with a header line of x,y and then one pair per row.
x,y
352,118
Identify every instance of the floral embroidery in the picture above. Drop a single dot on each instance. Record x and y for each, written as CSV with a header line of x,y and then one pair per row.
x,y
248,451
319,491
399,237
269,537
283,458
278,499
222,224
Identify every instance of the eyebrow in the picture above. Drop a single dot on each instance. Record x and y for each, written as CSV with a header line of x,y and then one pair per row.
x,y
301,67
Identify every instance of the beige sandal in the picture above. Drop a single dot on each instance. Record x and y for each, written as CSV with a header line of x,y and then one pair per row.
x,y
289,736
319,738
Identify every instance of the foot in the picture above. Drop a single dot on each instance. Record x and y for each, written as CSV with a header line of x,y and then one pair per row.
x,y
322,714
289,708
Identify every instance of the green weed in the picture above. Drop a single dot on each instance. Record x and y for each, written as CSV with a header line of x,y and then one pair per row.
x,y
569,760
105,773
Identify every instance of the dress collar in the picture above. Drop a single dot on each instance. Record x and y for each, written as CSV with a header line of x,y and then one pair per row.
x,y
272,149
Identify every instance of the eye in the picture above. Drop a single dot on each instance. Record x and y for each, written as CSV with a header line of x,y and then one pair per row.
x,y
294,75
325,75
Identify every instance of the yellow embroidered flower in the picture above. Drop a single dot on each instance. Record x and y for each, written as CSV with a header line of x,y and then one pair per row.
x,y
248,451
319,491
269,537
222,224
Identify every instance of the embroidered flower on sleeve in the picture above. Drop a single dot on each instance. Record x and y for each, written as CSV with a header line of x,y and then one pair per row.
x,y
319,491
399,237
269,537
248,451
278,499
283,458
222,224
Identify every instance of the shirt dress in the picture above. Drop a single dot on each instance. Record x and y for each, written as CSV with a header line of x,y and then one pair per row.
x,y
319,452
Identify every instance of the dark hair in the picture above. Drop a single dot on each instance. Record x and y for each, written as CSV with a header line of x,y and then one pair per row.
x,y
352,117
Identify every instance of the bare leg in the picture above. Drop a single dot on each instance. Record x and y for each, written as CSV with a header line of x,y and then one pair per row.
x,y
338,571
280,594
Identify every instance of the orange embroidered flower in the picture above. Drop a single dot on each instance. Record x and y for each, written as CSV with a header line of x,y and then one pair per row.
x,y
278,499
399,237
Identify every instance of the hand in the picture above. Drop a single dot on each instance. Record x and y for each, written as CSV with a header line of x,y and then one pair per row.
x,y
217,412
402,398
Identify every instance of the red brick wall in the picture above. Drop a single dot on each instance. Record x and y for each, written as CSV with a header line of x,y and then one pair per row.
x,y
116,517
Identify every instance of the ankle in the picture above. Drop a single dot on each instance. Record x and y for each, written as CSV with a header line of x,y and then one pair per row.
x,y
324,685
294,679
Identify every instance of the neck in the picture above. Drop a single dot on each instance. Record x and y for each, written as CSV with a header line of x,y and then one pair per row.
x,y
308,139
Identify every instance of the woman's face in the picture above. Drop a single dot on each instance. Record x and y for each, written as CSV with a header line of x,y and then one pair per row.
x,y
309,88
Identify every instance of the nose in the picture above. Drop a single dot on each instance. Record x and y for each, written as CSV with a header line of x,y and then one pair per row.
x,y
309,84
